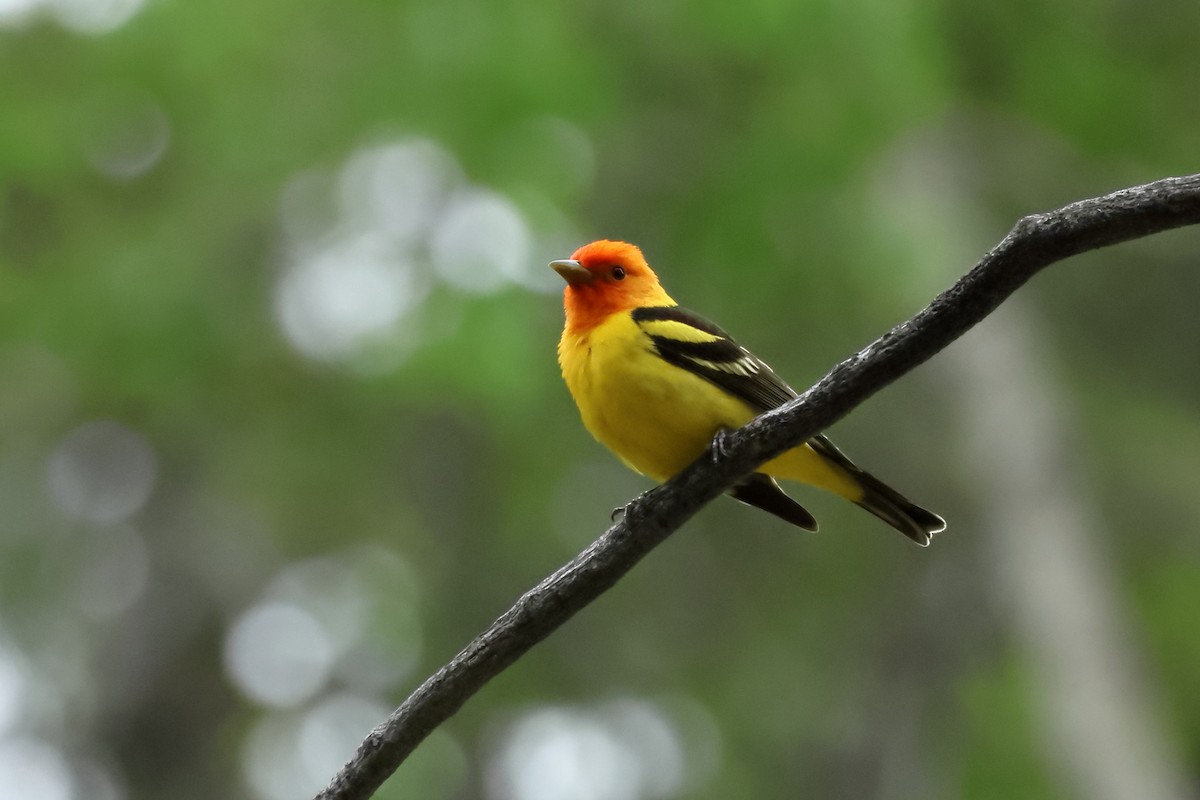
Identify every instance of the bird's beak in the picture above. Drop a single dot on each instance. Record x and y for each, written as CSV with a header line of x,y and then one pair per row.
x,y
572,271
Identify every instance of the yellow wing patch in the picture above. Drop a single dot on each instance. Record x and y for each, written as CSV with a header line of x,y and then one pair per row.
x,y
678,331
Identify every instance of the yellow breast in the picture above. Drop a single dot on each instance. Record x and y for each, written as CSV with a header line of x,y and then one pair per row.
x,y
656,417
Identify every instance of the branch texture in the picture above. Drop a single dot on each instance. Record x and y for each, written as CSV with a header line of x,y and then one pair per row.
x,y
1035,242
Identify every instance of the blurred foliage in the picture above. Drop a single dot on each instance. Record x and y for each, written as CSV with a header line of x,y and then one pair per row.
x,y
257,484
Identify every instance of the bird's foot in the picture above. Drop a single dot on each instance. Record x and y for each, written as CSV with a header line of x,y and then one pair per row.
x,y
620,512
719,448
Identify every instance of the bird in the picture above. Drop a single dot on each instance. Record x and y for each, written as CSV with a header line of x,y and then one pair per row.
x,y
656,383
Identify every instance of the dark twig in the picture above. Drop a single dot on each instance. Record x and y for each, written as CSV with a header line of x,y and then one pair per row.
x,y
1034,243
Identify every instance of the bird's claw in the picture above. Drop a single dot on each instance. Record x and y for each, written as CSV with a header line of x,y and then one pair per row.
x,y
719,449
620,512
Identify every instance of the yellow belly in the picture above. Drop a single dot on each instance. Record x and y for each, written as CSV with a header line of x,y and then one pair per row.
x,y
657,417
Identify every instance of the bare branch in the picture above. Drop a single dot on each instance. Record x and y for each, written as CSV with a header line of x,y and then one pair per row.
x,y
1035,242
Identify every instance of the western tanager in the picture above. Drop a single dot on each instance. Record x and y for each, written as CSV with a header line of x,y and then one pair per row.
x,y
655,383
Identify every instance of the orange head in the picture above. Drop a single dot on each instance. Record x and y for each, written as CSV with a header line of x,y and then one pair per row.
x,y
605,278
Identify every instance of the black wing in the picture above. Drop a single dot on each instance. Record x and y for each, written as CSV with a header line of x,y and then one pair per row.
x,y
763,492
705,350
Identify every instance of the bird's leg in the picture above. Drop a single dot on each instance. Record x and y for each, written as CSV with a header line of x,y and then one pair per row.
x,y
719,450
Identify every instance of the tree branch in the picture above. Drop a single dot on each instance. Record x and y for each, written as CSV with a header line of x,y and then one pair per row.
x,y
1034,243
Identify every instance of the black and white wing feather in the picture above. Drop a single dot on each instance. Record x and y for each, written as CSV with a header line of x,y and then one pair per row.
x,y
691,342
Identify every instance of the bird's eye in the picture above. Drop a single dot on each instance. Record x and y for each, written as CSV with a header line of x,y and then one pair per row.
x,y
618,273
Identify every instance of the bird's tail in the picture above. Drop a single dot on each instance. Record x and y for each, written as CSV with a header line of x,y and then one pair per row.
x,y
918,524
821,464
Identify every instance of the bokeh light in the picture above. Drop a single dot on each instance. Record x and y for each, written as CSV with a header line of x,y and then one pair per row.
x,y
623,750
34,769
17,12
481,242
346,296
102,472
365,247
94,16
398,189
645,729
129,137
278,654
558,754
270,762
91,17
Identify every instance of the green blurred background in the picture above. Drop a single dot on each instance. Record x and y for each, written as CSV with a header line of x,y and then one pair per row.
x,y
281,426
